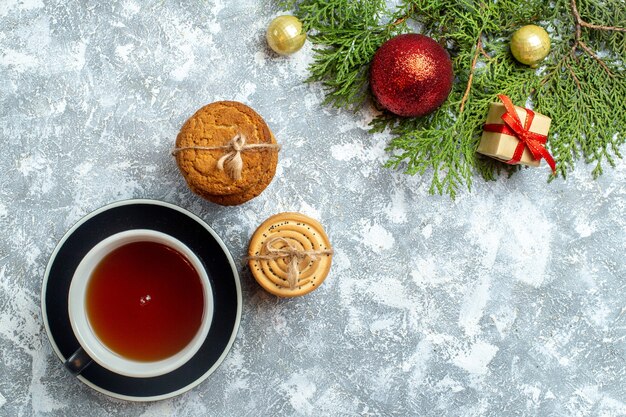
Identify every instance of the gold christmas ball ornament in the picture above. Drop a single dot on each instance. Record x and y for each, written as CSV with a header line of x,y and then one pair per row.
x,y
284,35
530,45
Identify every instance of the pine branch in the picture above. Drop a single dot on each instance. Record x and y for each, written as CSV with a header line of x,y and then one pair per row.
x,y
573,86
579,23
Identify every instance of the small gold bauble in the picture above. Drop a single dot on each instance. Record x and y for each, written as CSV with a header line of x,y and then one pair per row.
x,y
530,45
284,35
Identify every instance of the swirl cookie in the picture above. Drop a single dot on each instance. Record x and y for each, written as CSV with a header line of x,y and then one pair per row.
x,y
226,151
290,254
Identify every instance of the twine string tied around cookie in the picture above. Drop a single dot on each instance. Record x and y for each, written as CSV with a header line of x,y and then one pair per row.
x,y
231,162
232,159
292,253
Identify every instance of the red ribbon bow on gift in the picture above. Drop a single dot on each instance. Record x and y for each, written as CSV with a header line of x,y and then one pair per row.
x,y
513,127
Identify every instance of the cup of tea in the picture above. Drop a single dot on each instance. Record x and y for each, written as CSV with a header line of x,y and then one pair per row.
x,y
140,305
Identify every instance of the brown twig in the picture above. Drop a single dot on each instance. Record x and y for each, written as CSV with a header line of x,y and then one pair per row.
x,y
581,22
479,47
482,51
571,71
592,54
578,43
404,18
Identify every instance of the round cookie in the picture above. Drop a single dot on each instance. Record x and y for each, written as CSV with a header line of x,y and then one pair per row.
x,y
249,194
236,199
290,246
215,125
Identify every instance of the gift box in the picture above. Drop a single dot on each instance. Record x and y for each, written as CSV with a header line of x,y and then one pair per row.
x,y
501,140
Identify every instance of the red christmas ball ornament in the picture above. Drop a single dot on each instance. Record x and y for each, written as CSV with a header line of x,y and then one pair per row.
x,y
411,75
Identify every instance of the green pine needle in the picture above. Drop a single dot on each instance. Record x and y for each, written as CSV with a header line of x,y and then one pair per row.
x,y
583,94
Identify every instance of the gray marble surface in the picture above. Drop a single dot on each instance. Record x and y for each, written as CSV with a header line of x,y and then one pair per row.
x,y
510,300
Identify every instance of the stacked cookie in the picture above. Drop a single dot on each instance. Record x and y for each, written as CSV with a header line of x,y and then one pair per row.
x,y
226,153
290,254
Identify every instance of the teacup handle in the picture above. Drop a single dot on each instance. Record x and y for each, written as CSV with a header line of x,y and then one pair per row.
x,y
78,361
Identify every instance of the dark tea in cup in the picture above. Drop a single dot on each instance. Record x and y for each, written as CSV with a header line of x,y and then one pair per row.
x,y
145,301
